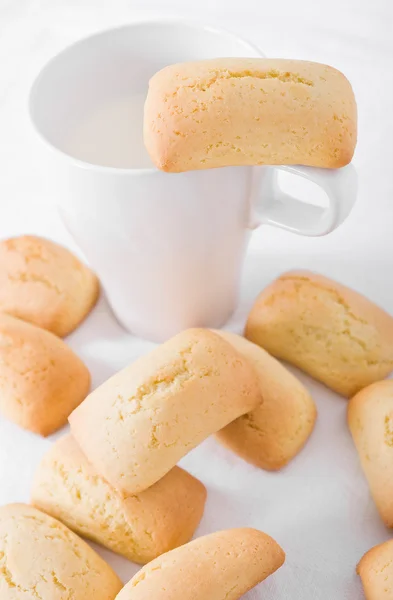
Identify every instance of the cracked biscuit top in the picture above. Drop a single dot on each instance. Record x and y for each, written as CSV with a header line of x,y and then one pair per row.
x,y
45,284
41,378
370,421
140,527
221,566
249,111
376,572
326,329
274,432
42,559
137,425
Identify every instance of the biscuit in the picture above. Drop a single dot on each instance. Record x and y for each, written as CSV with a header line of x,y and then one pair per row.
x,y
326,329
370,420
41,379
45,284
273,433
376,572
41,558
138,424
249,111
221,565
139,527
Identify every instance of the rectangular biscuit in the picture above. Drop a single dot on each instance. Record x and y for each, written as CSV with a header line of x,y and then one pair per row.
x,y
249,111
41,378
45,284
370,421
137,425
41,558
141,527
273,433
375,570
331,332
220,566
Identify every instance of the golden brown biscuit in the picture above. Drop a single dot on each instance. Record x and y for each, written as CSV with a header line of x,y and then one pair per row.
x,y
273,433
41,558
138,424
370,420
140,527
376,572
222,565
41,379
326,329
45,284
249,111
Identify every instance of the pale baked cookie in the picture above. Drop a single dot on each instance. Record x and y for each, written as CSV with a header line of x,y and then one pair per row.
x,y
370,420
376,572
41,379
140,527
326,329
273,433
222,565
138,424
41,558
45,284
249,111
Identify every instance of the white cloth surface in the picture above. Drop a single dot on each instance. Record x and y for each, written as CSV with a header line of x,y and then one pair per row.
x,y
319,507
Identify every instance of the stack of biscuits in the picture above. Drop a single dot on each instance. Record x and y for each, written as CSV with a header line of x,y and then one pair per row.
x,y
115,479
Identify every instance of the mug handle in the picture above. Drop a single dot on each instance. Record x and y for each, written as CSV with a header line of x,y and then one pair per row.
x,y
271,206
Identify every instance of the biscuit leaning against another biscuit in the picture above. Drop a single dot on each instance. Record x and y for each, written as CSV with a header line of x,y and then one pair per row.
x,y
376,572
41,379
326,329
45,284
221,565
249,111
370,420
274,432
41,558
138,424
139,527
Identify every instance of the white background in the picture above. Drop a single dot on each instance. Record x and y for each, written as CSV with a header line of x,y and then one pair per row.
x,y
319,507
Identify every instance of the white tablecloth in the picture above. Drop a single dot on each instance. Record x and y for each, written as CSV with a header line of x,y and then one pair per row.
x,y
319,507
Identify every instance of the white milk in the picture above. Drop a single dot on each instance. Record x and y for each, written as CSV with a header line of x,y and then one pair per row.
x,y
111,135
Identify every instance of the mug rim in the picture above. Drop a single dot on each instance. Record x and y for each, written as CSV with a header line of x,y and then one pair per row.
x,y
193,24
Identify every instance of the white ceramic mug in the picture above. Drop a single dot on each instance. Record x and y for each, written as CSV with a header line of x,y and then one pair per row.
x,y
168,248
